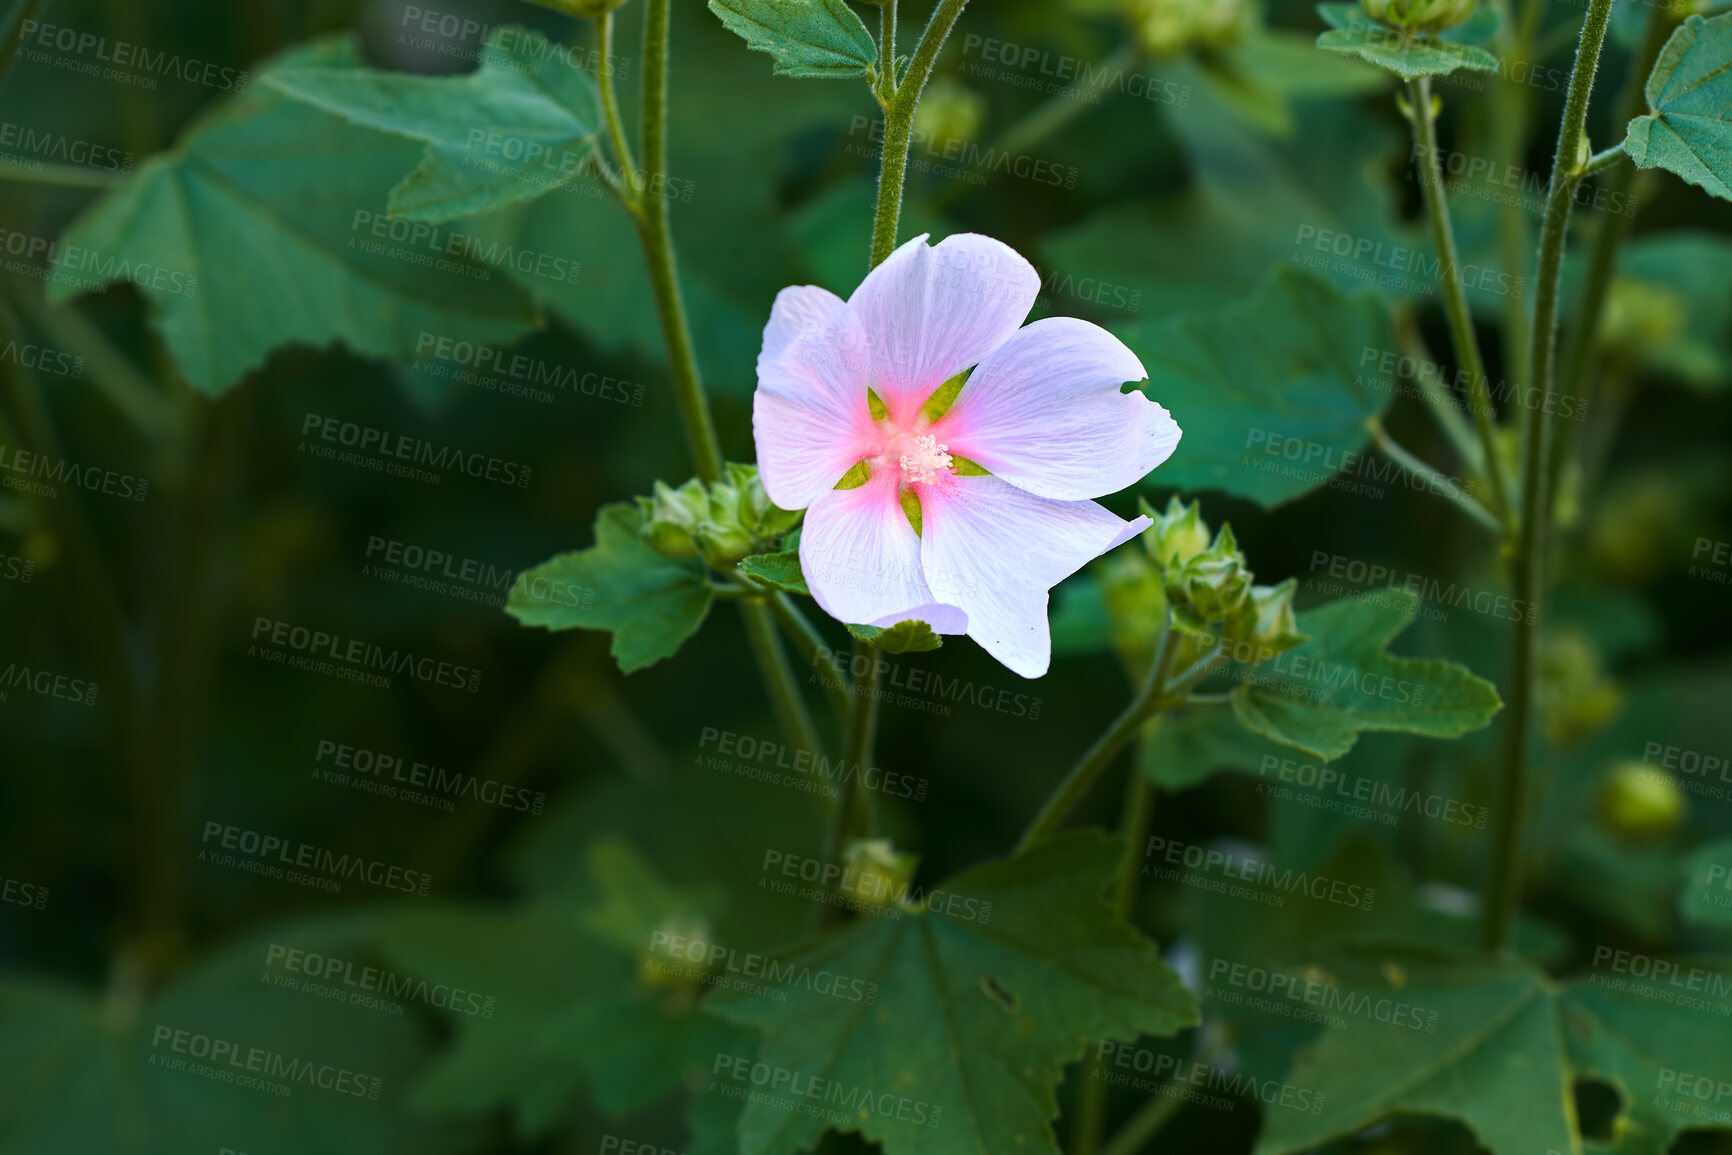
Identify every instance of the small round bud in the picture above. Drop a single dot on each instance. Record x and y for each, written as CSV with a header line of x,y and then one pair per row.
x,y
1641,801
1419,15
949,110
677,957
874,874
582,9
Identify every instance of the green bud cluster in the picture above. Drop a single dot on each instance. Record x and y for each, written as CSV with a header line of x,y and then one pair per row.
x,y
582,9
1171,27
1419,15
721,522
1206,582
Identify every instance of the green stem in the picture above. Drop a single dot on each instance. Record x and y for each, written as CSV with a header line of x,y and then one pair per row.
x,y
899,127
58,175
1144,1125
610,114
1454,295
887,45
1437,482
111,374
1082,776
1445,409
1139,808
1503,887
1603,159
863,719
656,236
1066,105
655,231
808,641
857,750
790,708
1613,230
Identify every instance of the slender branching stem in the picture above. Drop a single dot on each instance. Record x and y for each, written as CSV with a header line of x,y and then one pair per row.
x,y
1461,331
1434,481
1503,886
899,127
1082,776
616,137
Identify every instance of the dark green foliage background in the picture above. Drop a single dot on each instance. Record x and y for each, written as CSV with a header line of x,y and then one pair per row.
x,y
1184,207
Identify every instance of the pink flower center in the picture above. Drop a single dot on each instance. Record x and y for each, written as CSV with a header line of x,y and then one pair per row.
x,y
925,460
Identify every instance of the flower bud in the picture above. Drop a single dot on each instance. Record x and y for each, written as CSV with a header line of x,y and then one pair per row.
x,y
1266,620
949,110
721,522
582,9
1641,318
874,874
1177,536
1213,584
1576,697
1419,15
678,955
1170,27
1136,604
671,518
1641,801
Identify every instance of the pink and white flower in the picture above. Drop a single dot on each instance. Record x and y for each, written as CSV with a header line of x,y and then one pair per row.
x,y
1003,477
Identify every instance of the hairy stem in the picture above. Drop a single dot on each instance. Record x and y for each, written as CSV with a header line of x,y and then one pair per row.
x,y
1138,809
1613,230
1503,887
1435,481
1454,295
657,236
610,113
1088,769
1445,410
1144,1125
790,708
899,127
57,175
808,641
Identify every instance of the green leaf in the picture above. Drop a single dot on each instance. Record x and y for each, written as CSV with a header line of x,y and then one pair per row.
x,y
521,125
94,1074
901,638
1260,76
650,604
258,230
574,1009
1493,1061
1321,695
1660,1042
1264,379
822,38
1251,203
1688,129
1189,746
781,570
1004,974
1409,56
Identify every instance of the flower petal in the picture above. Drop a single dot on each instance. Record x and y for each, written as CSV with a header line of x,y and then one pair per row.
x,y
995,550
861,560
1044,412
809,415
931,312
